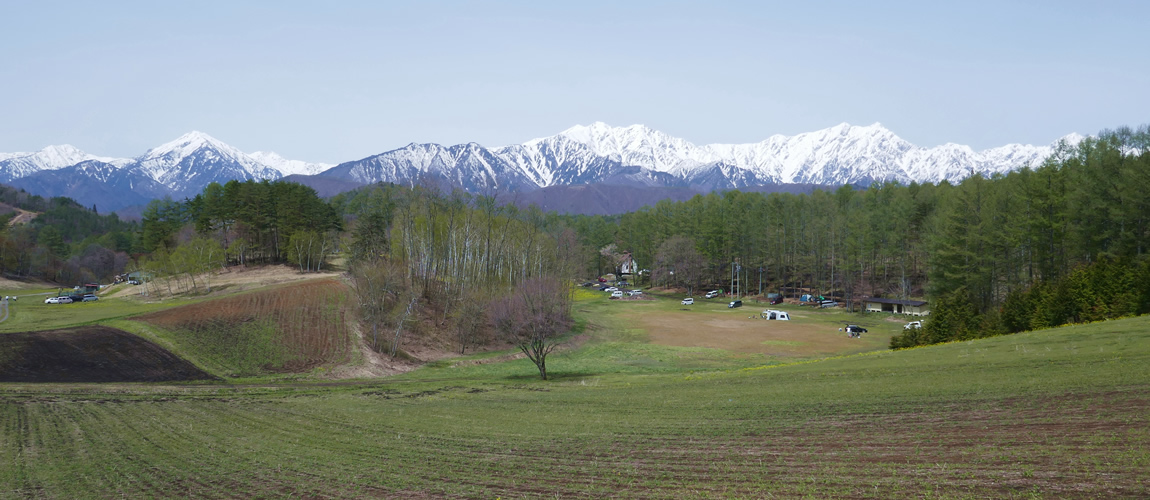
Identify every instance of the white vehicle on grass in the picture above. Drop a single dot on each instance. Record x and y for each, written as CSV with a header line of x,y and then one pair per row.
x,y
775,315
712,294
912,324
616,294
688,301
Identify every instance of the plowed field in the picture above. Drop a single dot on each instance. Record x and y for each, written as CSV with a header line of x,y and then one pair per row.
x,y
89,354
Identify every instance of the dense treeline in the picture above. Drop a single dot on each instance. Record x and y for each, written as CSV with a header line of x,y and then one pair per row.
x,y
65,242
234,223
846,242
420,258
253,221
1065,242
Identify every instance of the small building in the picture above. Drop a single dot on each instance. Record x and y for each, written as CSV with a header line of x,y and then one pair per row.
x,y
911,307
627,265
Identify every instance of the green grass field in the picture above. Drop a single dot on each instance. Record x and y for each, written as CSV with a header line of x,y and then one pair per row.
x,y
1055,413
30,313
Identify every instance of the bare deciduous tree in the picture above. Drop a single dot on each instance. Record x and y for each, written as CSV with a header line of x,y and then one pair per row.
x,y
533,317
468,320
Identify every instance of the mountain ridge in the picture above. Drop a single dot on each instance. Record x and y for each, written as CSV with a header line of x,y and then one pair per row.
x,y
635,156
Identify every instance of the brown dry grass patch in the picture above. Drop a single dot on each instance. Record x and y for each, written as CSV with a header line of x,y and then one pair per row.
x,y
779,338
292,328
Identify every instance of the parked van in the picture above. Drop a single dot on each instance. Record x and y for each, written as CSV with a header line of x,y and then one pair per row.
x,y
734,304
776,315
616,294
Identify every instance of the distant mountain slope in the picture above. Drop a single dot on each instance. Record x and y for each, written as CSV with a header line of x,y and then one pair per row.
x,y
93,182
598,199
611,199
324,186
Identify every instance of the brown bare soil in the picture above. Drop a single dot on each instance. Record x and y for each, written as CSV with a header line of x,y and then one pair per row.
x,y
89,354
238,279
22,217
21,284
780,338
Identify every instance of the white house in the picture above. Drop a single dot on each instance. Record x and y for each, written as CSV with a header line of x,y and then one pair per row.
x,y
911,307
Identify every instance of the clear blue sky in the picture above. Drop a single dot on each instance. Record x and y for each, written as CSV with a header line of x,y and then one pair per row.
x,y
336,81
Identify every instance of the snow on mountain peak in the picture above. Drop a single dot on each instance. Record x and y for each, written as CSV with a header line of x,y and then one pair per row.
x,y
839,154
188,143
286,166
18,165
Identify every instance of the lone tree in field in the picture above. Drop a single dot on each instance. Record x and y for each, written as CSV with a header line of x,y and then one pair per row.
x,y
533,317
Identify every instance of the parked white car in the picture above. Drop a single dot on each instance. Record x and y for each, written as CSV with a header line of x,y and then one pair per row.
x,y
635,293
712,294
616,294
611,289
52,300
912,324
688,301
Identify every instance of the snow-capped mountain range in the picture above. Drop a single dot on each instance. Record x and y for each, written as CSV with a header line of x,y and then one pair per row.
x,y
843,154
597,153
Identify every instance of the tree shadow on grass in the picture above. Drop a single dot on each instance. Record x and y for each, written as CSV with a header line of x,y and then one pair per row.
x,y
552,376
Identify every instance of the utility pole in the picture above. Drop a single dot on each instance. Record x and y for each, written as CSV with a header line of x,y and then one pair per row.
x,y
732,288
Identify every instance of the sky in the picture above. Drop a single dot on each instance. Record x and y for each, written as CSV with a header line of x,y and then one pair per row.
x,y
338,81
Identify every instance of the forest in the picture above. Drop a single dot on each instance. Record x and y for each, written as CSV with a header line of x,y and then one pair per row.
x,y
1037,247
65,242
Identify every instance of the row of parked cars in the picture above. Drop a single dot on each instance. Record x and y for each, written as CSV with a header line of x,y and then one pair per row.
x,y
709,295
618,293
68,299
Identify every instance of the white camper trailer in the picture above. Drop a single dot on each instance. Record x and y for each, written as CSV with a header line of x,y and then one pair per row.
x,y
776,315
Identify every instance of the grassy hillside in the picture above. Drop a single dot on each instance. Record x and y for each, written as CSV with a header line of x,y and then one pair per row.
x,y
286,329
1057,413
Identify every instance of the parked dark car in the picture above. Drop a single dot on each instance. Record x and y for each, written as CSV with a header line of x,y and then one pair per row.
x,y
774,298
734,304
855,331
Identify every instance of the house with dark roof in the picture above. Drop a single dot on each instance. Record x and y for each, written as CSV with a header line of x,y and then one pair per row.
x,y
911,307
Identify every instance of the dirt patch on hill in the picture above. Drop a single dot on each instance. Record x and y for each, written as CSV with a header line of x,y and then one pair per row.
x,y
89,354
779,338
22,217
232,279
